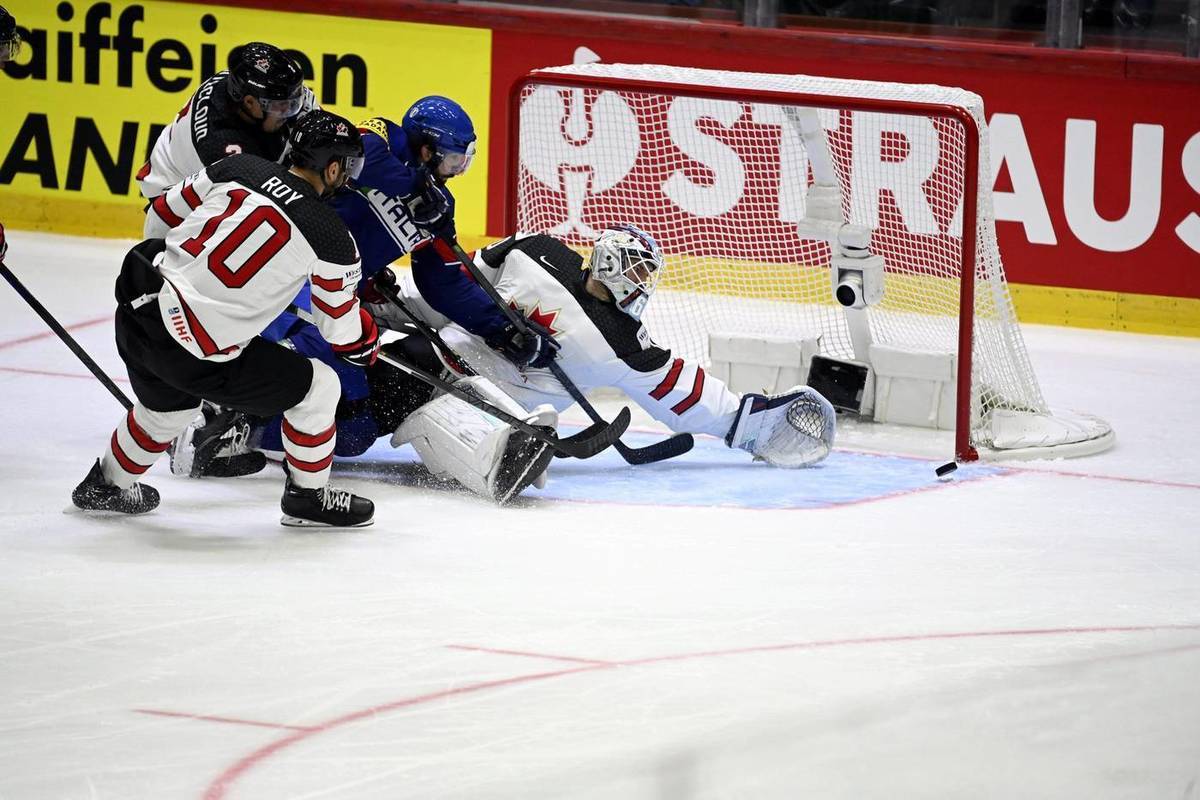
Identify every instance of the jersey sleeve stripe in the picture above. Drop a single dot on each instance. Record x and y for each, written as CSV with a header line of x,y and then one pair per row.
x,y
693,398
308,439
334,311
190,197
334,285
165,213
668,383
142,439
309,466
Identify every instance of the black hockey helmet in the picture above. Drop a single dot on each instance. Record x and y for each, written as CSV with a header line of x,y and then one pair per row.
x,y
10,40
265,72
321,137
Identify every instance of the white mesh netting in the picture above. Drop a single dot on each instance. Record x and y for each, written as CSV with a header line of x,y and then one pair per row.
x,y
722,184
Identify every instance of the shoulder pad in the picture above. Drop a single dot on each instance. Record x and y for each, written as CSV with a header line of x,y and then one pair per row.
x,y
375,125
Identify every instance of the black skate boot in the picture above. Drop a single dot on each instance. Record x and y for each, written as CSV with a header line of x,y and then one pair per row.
x,y
216,447
326,506
97,494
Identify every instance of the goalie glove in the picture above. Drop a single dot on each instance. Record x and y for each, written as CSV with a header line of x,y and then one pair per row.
x,y
791,429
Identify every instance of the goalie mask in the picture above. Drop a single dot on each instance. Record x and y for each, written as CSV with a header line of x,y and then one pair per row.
x,y
627,261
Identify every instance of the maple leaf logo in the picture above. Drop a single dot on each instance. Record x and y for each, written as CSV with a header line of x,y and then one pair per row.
x,y
544,318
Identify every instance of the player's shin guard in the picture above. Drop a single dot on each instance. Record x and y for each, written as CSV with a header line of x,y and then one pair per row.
x,y
139,440
309,430
482,453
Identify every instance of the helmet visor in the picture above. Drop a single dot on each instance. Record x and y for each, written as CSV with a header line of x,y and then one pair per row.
x,y
451,163
353,166
285,108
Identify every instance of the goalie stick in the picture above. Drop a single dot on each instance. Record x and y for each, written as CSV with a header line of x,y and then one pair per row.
x,y
67,339
673,446
589,442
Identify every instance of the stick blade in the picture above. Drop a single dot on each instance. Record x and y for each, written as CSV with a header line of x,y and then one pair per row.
x,y
677,445
596,438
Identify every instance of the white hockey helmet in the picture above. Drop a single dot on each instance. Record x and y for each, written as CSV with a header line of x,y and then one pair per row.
x,y
627,260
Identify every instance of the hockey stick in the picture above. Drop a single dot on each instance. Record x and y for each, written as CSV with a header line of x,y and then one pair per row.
x,y
676,445
424,328
67,339
585,444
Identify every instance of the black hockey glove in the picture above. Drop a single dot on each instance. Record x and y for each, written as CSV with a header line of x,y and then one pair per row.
x,y
370,291
429,205
531,350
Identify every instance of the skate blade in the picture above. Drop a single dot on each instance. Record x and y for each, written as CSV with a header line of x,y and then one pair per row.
x,y
297,522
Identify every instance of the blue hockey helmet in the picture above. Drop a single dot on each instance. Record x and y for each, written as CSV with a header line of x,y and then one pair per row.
x,y
445,127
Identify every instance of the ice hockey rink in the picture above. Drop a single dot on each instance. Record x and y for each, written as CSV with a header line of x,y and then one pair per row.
x,y
700,628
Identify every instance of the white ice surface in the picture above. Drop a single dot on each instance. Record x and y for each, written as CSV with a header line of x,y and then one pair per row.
x,y
1035,635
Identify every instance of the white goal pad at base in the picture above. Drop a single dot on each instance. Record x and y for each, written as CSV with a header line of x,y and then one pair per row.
x,y
746,179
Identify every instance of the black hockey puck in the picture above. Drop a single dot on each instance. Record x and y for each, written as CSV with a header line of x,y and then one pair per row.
x,y
946,469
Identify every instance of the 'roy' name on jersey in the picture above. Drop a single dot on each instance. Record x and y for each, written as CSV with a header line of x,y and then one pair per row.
x,y
276,188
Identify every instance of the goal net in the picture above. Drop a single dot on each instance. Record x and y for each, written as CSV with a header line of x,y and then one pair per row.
x,y
744,179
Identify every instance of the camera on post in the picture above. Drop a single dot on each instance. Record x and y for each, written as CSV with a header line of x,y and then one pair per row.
x,y
857,275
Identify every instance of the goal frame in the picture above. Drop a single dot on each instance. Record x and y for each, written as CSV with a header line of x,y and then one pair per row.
x,y
963,449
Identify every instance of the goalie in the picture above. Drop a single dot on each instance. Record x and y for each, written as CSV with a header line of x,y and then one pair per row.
x,y
593,311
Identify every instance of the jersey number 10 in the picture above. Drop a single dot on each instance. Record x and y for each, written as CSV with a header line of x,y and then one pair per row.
x,y
239,276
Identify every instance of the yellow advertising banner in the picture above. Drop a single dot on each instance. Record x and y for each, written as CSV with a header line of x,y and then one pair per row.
x,y
96,82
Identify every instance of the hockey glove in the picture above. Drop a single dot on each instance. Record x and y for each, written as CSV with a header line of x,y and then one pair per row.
x,y
429,206
790,429
370,291
531,350
361,353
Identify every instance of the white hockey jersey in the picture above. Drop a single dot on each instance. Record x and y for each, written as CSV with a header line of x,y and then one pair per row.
x,y
243,236
206,130
601,345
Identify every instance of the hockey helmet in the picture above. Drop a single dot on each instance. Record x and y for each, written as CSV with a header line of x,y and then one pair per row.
x,y
628,261
321,137
10,40
445,127
268,74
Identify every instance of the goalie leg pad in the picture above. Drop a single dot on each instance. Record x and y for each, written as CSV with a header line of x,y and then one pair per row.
x,y
790,429
457,440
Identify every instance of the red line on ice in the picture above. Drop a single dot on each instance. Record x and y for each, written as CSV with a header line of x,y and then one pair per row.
x,y
48,373
231,720
47,334
497,651
220,786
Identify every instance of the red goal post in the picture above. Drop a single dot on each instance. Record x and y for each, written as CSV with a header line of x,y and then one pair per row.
x,y
592,145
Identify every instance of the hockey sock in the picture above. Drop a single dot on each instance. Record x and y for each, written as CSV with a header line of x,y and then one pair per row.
x,y
309,430
139,440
